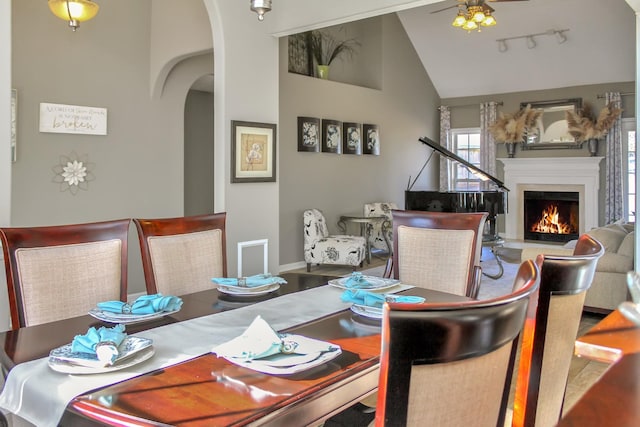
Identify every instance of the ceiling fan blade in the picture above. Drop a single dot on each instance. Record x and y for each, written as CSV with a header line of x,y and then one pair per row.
x,y
446,8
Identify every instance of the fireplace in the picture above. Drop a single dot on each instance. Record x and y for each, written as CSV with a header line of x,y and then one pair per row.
x,y
551,216
546,174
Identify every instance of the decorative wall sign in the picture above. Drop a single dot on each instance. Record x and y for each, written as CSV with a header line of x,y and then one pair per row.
x,y
60,118
331,136
14,125
253,152
352,139
300,59
73,173
370,139
308,134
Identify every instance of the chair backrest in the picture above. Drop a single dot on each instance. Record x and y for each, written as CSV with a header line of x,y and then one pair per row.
x,y
550,332
438,250
63,271
451,364
181,255
315,226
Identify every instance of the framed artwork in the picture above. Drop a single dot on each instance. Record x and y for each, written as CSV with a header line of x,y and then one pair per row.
x,y
331,136
300,59
253,152
14,125
352,138
308,134
370,139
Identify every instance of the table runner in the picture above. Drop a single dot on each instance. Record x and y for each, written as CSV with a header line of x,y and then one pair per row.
x,y
36,393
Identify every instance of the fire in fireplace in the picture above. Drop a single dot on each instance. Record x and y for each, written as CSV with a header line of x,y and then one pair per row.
x,y
551,216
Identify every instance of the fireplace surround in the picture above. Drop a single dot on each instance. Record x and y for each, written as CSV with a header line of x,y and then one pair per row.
x,y
560,174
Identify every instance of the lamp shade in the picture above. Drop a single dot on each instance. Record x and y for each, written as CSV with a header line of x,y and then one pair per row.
x,y
74,11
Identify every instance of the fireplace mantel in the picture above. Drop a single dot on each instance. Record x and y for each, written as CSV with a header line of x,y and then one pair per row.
x,y
580,174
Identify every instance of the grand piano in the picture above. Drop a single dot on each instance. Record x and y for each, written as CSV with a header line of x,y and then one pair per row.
x,y
492,201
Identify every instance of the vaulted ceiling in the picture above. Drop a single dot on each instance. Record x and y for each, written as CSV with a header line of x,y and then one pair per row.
x,y
600,46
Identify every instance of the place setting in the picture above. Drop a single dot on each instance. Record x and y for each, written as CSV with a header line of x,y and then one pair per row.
x,y
250,286
144,308
357,280
262,349
100,350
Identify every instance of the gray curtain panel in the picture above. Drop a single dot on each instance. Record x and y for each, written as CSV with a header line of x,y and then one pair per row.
x,y
445,140
488,112
614,158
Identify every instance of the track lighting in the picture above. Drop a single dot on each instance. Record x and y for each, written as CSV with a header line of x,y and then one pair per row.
x,y
530,39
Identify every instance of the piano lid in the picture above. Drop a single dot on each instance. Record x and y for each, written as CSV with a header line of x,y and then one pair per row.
x,y
452,156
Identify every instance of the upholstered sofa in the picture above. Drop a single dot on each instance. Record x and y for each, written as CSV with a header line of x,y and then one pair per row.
x,y
609,287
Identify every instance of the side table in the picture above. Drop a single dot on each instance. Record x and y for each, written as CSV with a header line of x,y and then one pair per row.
x,y
366,225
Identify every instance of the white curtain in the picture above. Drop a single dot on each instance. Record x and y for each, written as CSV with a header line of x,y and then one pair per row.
x,y
614,188
445,140
488,112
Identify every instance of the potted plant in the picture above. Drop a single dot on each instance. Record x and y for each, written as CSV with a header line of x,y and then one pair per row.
x,y
510,129
325,48
585,126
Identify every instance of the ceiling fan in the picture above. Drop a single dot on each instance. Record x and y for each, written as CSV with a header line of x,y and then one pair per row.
x,y
473,14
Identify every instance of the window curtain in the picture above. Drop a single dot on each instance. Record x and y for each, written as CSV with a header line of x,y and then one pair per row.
x,y
445,141
488,112
614,187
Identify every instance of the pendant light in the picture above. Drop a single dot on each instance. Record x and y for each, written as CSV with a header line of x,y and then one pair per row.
x,y
260,7
74,11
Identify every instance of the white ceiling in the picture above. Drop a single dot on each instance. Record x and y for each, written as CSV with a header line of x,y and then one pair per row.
x,y
600,46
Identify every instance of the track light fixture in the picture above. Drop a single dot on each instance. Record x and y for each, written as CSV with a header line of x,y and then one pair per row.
x,y
530,39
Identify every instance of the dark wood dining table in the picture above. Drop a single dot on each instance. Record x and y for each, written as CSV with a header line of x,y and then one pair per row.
x,y
208,390
614,400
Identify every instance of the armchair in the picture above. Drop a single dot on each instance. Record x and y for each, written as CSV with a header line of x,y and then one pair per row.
x,y
322,248
377,239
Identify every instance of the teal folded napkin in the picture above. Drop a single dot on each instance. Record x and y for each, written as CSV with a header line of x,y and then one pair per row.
x,y
371,299
249,282
145,304
102,342
357,281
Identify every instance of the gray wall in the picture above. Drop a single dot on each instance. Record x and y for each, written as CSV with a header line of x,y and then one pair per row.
x,y
404,108
198,153
465,113
138,165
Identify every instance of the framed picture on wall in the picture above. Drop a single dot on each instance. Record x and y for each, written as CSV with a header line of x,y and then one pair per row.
x,y
370,139
308,134
300,59
253,152
352,137
331,136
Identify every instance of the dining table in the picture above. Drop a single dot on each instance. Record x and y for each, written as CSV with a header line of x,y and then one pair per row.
x,y
185,384
614,399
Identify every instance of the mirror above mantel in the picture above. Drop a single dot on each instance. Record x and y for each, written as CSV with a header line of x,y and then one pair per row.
x,y
551,131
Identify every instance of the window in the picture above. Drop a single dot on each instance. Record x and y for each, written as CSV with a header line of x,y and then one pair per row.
x,y
629,146
466,144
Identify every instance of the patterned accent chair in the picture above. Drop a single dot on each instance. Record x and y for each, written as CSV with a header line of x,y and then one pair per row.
x,y
376,238
322,248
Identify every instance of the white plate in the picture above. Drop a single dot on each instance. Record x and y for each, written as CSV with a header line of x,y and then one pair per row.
x,y
133,350
366,311
258,290
110,317
282,364
376,283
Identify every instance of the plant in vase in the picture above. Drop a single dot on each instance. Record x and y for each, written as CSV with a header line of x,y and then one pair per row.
x,y
325,48
510,129
585,126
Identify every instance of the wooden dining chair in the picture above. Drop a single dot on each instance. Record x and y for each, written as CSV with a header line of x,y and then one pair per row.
x,y
181,255
451,364
438,250
550,331
63,271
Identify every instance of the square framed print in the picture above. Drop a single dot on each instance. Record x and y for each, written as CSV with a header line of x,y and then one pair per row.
x,y
352,137
370,139
308,134
331,136
253,152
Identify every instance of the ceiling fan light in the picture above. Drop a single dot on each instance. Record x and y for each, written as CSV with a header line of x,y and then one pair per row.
x,y
459,20
74,11
470,25
489,21
477,14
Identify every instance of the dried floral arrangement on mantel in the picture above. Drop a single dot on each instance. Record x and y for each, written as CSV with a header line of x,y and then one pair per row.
x,y
512,128
584,125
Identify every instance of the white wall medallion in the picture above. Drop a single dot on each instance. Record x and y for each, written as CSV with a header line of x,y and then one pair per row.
x,y
73,173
